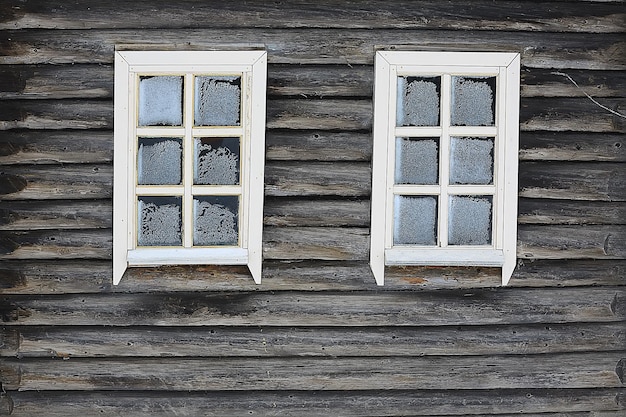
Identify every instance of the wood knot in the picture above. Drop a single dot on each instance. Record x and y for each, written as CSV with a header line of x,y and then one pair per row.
x,y
10,184
619,369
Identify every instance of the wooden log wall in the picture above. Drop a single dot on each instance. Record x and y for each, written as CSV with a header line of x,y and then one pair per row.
x,y
317,337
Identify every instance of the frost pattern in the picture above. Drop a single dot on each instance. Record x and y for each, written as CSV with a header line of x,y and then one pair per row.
x,y
217,101
415,220
159,224
215,224
417,161
472,101
469,221
216,165
161,101
159,162
471,161
418,102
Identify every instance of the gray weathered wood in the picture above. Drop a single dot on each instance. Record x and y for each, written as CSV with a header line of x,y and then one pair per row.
x,y
543,211
547,16
56,214
313,81
574,402
572,370
315,46
553,146
72,342
446,307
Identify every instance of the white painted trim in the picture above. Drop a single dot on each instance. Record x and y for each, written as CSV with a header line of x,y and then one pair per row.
x,y
252,65
502,252
187,256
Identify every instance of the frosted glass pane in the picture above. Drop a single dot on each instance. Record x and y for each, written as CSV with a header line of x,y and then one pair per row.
x,y
417,161
216,221
159,161
217,101
415,220
471,160
418,101
161,101
473,101
216,161
469,220
160,221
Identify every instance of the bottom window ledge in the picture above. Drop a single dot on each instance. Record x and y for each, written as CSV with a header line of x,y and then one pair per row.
x,y
488,257
187,256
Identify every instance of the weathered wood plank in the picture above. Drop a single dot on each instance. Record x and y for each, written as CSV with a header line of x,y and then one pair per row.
x,y
552,146
93,276
74,342
576,370
543,211
56,147
320,404
537,114
315,46
324,243
434,308
56,214
309,81
573,181
483,15
307,145
589,242
50,182
318,212
318,179
572,114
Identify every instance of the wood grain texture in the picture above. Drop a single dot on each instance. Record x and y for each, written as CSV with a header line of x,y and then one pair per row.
x,y
445,307
84,81
606,402
572,370
483,15
94,276
71,342
315,46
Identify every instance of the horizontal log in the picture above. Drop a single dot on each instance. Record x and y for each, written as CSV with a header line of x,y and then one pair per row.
x,y
581,370
93,276
308,81
483,15
537,114
315,46
73,342
318,212
573,181
319,404
588,242
435,308
566,146
56,214
324,243
543,211
78,146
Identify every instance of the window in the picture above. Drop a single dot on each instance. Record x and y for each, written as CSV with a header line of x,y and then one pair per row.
x,y
188,161
444,188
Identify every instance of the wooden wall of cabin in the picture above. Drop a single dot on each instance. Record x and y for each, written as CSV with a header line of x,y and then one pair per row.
x,y
317,337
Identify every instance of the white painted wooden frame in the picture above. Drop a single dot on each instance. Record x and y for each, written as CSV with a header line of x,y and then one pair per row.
x,y
252,66
502,253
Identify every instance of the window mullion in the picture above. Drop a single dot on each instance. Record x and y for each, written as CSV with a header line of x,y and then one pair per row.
x,y
188,163
444,159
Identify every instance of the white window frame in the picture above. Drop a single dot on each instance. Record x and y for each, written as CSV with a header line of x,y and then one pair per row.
x,y
388,66
252,65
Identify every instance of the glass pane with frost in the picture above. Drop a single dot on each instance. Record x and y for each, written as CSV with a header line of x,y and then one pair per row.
x,y
415,220
159,161
471,160
473,101
160,222
161,101
469,220
418,101
217,101
216,161
417,161
216,221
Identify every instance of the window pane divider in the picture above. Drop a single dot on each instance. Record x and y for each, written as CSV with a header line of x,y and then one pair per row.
x,y
218,131
444,160
188,220
473,130
152,131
